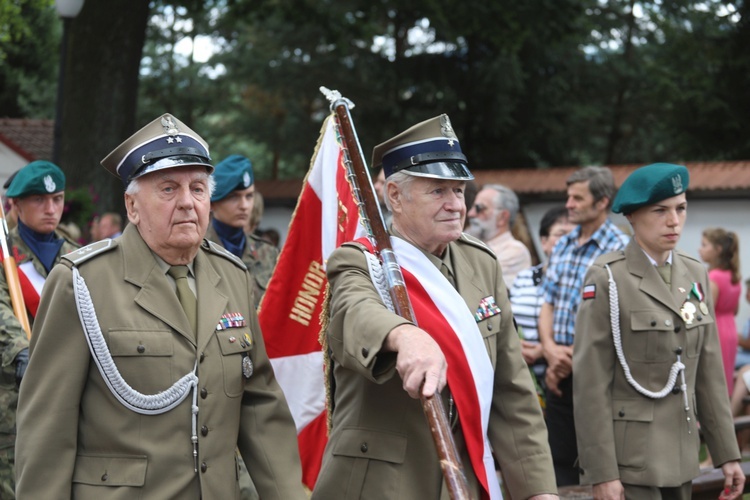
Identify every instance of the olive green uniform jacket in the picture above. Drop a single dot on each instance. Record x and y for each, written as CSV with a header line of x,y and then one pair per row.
x,y
621,433
76,440
380,446
260,258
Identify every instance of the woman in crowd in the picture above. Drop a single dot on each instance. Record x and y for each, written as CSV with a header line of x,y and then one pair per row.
x,y
720,250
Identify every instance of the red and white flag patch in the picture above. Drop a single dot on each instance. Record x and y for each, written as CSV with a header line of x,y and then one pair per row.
x,y
589,292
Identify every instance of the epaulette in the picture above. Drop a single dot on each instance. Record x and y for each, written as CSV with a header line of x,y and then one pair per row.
x,y
687,256
219,250
610,257
81,255
465,238
258,239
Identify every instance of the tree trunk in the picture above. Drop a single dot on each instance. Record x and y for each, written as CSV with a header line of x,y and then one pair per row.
x,y
100,93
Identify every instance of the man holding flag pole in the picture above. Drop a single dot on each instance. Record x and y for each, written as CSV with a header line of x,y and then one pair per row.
x,y
380,444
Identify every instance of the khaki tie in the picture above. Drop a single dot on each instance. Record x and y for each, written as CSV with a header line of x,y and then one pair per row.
x,y
665,272
447,273
184,294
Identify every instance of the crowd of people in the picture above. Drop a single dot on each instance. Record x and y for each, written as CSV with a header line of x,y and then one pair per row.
x,y
140,370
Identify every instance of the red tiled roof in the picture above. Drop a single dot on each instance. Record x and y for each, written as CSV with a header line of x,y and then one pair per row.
x,y
32,139
705,177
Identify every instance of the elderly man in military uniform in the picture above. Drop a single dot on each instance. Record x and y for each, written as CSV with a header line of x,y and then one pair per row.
x,y
231,205
148,367
647,359
37,194
380,444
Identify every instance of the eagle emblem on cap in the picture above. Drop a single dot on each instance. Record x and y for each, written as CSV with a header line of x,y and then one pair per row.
x,y
246,179
447,129
170,126
49,184
677,184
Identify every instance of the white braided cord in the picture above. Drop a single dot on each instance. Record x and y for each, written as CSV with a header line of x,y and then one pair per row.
x,y
130,398
379,280
614,314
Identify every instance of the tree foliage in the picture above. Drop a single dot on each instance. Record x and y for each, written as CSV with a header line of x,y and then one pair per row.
x,y
29,33
527,84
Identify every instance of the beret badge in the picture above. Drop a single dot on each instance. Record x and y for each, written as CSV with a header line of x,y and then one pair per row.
x,y
49,184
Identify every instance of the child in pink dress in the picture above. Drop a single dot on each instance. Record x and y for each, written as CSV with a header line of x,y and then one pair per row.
x,y
720,250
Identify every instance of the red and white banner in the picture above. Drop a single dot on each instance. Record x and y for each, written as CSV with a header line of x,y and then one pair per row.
x,y
325,217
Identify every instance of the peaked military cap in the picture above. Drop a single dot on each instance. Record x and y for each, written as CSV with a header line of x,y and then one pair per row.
x,y
232,173
164,143
38,177
428,149
650,184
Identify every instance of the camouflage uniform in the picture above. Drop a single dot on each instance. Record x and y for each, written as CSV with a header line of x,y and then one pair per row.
x,y
259,257
12,341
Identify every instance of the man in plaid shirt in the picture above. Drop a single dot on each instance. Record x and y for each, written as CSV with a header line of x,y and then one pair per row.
x,y
590,194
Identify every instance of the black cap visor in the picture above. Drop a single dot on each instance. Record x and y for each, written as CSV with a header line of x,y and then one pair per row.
x,y
440,170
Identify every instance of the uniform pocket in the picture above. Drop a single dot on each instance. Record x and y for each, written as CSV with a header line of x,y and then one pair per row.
x,y
632,421
143,358
649,341
696,335
110,470
235,345
367,461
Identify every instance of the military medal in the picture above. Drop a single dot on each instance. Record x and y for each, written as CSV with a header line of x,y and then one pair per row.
x,y
231,320
487,308
697,290
247,366
688,312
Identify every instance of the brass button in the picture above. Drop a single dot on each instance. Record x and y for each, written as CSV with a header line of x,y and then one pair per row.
x,y
141,349
204,466
105,476
363,447
204,393
204,431
365,352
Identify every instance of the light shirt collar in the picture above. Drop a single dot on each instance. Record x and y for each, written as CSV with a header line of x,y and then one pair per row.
x,y
653,262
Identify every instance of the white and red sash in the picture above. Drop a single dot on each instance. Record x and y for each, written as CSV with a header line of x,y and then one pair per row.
x,y
31,284
441,311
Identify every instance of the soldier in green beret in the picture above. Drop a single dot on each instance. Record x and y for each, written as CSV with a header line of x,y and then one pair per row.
x,y
647,359
37,195
231,206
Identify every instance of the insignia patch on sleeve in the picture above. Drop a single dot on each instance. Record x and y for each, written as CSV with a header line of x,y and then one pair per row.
x,y
589,292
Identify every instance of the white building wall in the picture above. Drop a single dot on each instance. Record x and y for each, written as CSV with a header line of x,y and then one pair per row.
x,y
10,161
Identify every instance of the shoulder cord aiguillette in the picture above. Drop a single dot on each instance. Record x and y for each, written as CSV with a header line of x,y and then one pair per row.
x,y
677,368
144,404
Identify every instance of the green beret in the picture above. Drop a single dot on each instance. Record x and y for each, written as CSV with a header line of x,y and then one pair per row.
x,y
650,184
38,177
232,173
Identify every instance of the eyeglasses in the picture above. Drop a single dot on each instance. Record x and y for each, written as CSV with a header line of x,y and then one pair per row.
x,y
479,208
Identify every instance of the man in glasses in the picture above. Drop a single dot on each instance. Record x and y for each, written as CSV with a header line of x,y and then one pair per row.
x,y
492,217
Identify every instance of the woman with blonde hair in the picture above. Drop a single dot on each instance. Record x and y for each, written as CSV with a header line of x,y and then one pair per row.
x,y
720,250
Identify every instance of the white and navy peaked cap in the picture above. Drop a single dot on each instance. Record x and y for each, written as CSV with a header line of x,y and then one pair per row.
x,y
164,143
428,149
